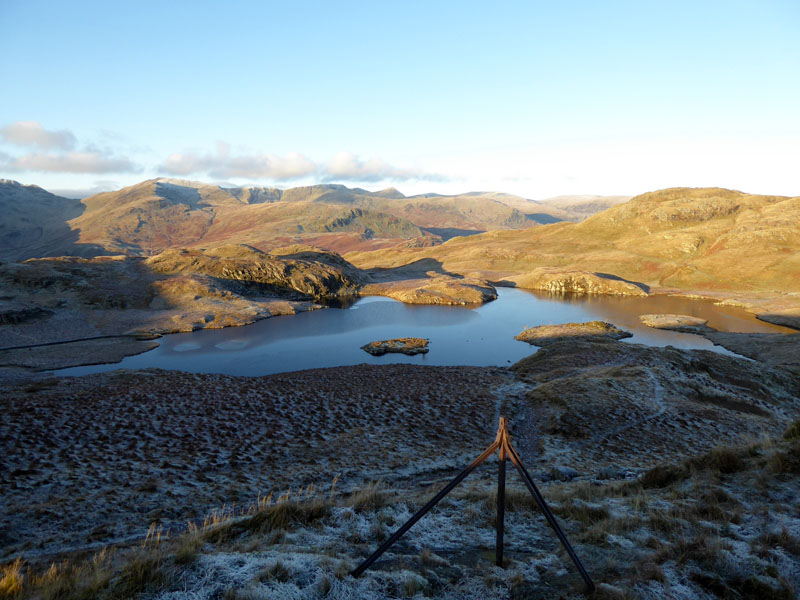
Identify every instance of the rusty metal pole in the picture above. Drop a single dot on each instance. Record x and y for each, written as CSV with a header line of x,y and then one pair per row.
x,y
506,450
502,434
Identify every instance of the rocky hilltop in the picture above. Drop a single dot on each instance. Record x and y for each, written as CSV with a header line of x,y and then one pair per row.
x,y
170,292
312,274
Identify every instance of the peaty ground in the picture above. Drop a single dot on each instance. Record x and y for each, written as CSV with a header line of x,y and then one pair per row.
x,y
624,439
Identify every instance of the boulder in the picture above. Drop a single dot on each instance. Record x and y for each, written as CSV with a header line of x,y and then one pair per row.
x,y
576,282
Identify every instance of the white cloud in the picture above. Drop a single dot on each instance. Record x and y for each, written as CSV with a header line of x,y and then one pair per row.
x,y
69,162
89,190
31,133
345,166
222,165
59,154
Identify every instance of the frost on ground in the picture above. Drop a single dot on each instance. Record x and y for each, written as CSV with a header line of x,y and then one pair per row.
x,y
666,468
92,460
723,524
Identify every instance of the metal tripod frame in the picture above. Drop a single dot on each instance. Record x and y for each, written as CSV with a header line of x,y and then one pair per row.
x,y
501,444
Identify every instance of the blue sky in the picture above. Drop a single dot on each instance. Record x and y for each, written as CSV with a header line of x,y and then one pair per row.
x,y
534,98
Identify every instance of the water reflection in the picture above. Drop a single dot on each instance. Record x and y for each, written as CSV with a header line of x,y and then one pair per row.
x,y
481,335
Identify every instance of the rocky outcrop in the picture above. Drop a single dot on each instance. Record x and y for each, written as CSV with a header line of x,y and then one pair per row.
x,y
774,349
575,282
549,334
86,298
600,401
434,290
682,323
311,274
409,346
786,318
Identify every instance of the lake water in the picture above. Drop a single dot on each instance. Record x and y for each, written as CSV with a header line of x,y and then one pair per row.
x,y
482,336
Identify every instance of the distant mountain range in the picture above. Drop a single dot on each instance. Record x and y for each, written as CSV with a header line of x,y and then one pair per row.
x,y
154,215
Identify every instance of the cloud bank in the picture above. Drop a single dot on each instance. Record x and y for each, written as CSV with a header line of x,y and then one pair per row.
x,y
31,133
61,157
344,166
348,167
59,152
70,162
222,165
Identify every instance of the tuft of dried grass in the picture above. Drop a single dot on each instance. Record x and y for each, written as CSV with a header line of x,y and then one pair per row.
x,y
588,514
187,552
146,572
726,459
11,579
273,518
777,539
662,476
793,431
369,497
275,572
786,462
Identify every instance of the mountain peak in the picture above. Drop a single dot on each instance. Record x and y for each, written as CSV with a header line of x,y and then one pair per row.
x,y
390,192
16,184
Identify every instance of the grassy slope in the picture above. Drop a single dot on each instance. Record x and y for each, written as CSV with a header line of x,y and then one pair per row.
x,y
700,239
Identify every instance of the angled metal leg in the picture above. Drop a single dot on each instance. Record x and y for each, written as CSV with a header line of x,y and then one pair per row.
x,y
506,450
501,507
421,513
548,514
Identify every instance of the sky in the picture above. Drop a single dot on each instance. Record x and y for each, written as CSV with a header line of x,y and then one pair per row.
x,y
532,98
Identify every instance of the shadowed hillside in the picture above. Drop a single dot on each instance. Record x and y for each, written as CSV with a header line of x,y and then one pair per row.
x,y
34,223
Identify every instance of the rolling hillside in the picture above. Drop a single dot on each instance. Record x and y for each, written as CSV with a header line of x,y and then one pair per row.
x,y
684,238
158,214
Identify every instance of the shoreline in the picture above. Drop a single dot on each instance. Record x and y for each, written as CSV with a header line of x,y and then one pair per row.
x,y
48,358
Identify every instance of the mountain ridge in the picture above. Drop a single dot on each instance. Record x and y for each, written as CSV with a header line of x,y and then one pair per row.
x,y
160,213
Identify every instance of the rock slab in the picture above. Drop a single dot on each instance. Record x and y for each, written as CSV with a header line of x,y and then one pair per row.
x,y
409,346
682,323
548,334
573,281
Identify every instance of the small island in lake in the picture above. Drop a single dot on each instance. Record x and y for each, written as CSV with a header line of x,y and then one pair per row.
x,y
410,346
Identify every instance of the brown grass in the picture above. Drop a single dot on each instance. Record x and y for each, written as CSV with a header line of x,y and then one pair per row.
x,y
587,514
793,431
273,518
368,498
781,539
11,579
662,476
